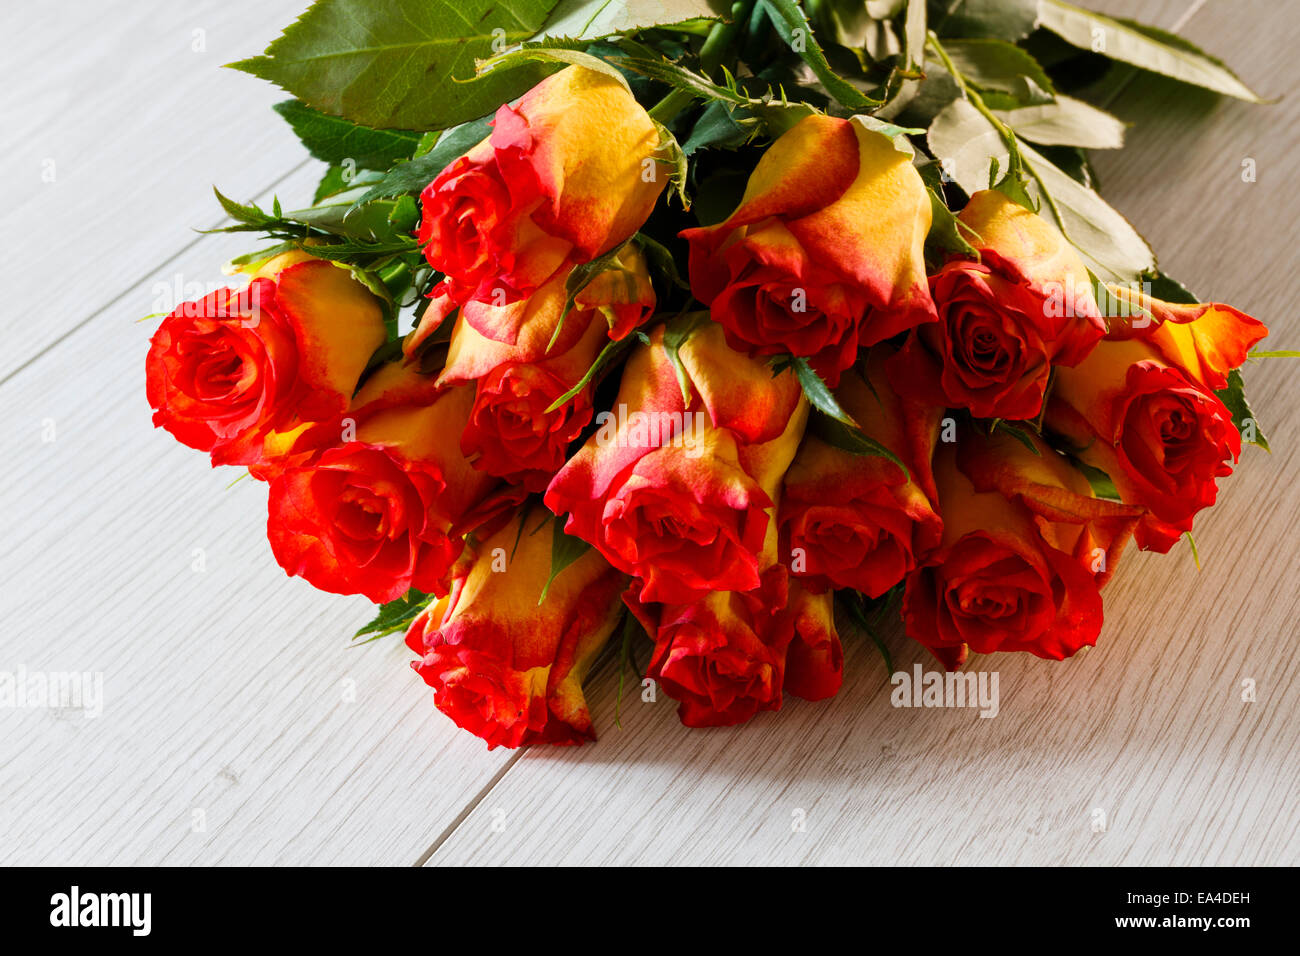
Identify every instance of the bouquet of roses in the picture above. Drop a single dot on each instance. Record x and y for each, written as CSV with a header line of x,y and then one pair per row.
x,y
721,327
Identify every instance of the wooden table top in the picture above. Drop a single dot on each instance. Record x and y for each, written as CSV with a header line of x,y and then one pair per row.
x,y
239,727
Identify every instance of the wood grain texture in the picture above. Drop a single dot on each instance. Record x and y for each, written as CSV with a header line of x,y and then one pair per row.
x,y
138,125
226,690
1149,727
229,690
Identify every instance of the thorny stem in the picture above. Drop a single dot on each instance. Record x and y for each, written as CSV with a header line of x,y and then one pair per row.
x,y
711,53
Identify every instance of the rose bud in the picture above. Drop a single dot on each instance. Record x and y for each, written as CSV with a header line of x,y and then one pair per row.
x,y
681,494
510,432
1205,341
384,511
504,666
855,521
227,371
1005,320
1026,548
814,661
826,250
567,174
721,655
1161,436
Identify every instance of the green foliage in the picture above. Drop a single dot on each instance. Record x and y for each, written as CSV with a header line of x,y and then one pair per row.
x,y
392,65
392,617
793,27
968,142
1142,46
565,549
411,177
1000,19
1233,397
333,139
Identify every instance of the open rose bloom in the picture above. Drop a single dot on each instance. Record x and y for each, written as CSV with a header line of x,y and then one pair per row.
x,y
575,426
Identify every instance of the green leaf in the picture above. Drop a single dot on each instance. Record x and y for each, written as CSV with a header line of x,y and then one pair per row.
x,y
670,154
850,438
1171,290
946,229
1234,398
1109,304
857,25
1002,19
1109,245
660,257
1065,122
377,221
793,27
565,549
911,61
1018,433
394,616
395,64
592,19
1196,552
334,181
334,140
818,392
834,425
720,126
849,601
412,177
607,356
1142,46
997,65
631,627
1015,184
676,332
1102,486
249,215
561,54
897,135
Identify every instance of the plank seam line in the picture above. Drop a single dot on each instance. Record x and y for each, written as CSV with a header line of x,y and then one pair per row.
x,y
469,808
604,663
505,768
131,287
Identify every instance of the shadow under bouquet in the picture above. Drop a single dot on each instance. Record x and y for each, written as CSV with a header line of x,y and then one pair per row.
x,y
693,337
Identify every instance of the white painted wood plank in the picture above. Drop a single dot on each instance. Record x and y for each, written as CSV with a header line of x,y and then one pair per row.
x,y
224,691
139,125
1149,727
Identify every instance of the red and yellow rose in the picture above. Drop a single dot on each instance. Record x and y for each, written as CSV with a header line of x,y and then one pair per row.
x,y
825,253
1026,548
505,665
1142,408
384,508
512,432
680,491
568,173
1006,319
854,521
226,373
